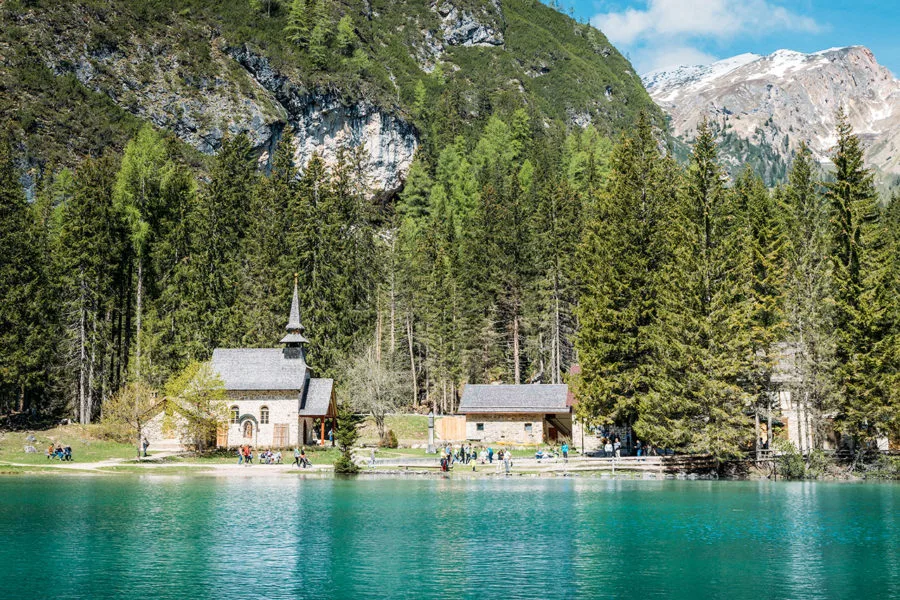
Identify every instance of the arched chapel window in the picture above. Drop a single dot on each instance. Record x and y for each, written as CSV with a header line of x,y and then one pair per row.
x,y
264,415
234,414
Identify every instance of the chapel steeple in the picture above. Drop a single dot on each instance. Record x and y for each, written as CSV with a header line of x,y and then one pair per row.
x,y
294,337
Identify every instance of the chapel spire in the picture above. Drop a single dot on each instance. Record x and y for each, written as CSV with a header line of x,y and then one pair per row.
x,y
294,327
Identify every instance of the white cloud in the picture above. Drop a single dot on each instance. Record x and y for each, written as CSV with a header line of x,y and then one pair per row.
x,y
666,57
720,19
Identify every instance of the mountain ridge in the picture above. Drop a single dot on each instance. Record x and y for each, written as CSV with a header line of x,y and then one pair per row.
x,y
765,106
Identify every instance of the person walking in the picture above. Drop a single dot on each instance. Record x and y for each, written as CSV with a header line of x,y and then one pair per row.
x,y
296,457
637,447
507,461
146,445
565,451
240,453
490,455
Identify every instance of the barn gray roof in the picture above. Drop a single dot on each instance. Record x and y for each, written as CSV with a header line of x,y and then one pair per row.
x,y
318,397
532,398
260,368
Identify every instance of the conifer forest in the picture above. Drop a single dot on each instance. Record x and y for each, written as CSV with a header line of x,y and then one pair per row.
x,y
510,257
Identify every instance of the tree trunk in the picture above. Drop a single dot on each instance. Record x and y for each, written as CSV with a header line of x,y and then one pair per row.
x,y
91,365
557,341
82,356
757,438
412,360
140,296
393,346
516,373
378,334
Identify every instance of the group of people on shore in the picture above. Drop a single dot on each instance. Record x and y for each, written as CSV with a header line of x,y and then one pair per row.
x,y
467,454
612,447
269,457
266,457
59,452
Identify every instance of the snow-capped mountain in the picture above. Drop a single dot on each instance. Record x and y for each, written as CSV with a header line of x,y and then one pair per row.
x,y
764,106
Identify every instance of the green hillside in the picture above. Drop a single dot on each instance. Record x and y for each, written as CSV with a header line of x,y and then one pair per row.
x,y
74,75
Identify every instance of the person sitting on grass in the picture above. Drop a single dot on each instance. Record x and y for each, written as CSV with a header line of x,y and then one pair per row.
x,y
50,452
59,452
277,458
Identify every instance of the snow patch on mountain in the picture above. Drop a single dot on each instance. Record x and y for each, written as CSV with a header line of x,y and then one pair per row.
x,y
779,101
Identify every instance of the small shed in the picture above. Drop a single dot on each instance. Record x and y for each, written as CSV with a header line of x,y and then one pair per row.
x,y
517,414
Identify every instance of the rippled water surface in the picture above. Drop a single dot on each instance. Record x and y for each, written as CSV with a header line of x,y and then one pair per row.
x,y
258,537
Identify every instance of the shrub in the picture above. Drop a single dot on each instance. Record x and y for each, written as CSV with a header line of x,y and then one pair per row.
x,y
790,461
818,464
389,440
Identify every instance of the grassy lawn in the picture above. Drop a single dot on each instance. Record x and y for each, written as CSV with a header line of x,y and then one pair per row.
x,y
86,447
409,429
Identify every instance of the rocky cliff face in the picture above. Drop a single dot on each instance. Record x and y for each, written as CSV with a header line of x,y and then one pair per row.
x,y
323,124
461,27
236,90
773,103
77,78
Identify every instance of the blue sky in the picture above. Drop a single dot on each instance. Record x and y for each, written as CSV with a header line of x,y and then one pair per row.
x,y
663,33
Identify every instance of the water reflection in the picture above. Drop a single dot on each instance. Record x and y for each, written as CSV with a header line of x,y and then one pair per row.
x,y
169,537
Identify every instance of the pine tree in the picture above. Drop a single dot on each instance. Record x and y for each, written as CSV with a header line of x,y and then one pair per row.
x,y
808,298
862,316
346,36
89,246
23,285
319,40
620,262
267,273
762,240
702,333
172,334
139,199
301,21
219,224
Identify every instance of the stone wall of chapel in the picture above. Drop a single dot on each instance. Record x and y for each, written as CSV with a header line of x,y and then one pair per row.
x,y
283,410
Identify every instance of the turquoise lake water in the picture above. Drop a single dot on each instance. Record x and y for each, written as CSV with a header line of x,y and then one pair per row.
x,y
155,537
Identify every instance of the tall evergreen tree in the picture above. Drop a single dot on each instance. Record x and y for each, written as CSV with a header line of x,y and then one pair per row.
x,y
808,297
702,332
265,282
219,223
23,286
621,260
140,200
89,247
762,240
862,302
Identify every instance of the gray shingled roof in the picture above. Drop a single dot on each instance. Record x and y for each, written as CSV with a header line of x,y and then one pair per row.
x,y
532,398
259,369
318,397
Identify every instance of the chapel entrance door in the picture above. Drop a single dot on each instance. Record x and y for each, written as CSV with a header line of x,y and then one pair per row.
x,y
281,435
